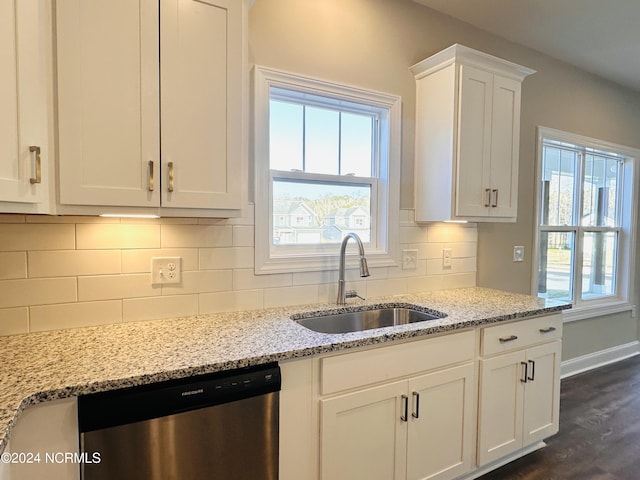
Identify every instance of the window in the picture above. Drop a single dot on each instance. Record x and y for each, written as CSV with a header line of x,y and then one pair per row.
x,y
326,163
585,221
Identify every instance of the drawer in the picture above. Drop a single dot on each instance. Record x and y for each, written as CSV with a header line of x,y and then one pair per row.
x,y
357,369
521,334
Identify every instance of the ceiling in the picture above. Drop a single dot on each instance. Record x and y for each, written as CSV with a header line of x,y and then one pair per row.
x,y
599,36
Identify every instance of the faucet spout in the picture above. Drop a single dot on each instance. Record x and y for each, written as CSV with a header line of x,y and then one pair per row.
x,y
364,268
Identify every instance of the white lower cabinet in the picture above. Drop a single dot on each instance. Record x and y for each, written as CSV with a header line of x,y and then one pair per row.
x,y
519,400
413,429
420,427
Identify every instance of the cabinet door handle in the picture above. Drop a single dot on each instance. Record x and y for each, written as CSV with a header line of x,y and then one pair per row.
x,y
416,403
152,181
533,370
487,192
405,407
548,330
170,187
508,339
38,178
495,200
524,372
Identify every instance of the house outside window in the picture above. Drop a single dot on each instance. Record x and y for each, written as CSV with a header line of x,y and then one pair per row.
x,y
586,223
326,164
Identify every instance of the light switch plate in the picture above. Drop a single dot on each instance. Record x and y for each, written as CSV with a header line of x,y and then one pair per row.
x,y
518,253
166,270
409,259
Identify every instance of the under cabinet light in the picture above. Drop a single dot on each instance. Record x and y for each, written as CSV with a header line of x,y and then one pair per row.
x,y
128,215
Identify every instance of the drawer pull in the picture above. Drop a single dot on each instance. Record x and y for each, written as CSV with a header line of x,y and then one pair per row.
x,y
525,375
508,339
548,330
487,192
151,182
405,407
533,370
416,411
38,178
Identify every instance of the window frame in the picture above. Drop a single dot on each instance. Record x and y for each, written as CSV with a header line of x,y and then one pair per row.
x,y
385,194
626,229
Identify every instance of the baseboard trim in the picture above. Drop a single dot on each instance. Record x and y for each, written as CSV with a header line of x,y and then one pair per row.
x,y
503,461
599,359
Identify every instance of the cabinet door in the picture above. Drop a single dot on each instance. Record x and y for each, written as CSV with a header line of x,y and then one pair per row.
x,y
441,434
201,79
363,436
542,393
107,61
501,406
505,140
474,142
23,103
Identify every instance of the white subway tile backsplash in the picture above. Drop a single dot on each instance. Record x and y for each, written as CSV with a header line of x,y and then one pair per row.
x,y
14,320
392,286
13,265
73,315
13,218
232,301
108,287
151,308
190,236
280,297
23,237
200,282
226,257
104,236
71,271
37,291
243,236
67,263
245,279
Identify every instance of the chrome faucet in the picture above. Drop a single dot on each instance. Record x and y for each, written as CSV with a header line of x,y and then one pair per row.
x,y
364,269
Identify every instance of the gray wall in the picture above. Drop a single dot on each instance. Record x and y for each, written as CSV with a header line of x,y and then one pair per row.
x,y
372,44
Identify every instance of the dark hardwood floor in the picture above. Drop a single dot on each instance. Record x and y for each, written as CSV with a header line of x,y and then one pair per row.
x,y
599,436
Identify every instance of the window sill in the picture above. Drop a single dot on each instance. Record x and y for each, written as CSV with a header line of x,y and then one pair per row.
x,y
592,311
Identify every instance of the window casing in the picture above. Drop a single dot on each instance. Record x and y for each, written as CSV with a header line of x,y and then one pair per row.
x,y
585,223
343,144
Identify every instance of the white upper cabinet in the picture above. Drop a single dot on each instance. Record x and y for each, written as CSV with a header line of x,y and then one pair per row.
x,y
24,153
467,136
150,103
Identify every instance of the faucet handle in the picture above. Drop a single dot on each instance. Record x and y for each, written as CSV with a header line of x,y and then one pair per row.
x,y
353,294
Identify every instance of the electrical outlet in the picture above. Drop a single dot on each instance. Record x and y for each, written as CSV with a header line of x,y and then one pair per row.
x,y
409,259
518,254
166,270
447,255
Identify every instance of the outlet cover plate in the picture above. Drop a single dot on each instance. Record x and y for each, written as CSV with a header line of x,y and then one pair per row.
x,y
409,259
166,270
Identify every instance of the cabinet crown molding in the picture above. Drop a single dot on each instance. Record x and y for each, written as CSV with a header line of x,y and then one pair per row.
x,y
458,53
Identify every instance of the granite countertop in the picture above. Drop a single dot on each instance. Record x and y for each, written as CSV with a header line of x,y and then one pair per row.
x,y
45,366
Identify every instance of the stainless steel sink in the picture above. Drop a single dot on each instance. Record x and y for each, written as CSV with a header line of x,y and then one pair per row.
x,y
365,319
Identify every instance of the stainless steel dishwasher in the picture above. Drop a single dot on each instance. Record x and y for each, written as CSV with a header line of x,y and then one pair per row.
x,y
221,426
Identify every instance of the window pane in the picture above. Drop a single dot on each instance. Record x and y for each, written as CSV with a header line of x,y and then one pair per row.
x,y
307,212
356,144
558,186
285,135
598,264
555,270
600,191
322,137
